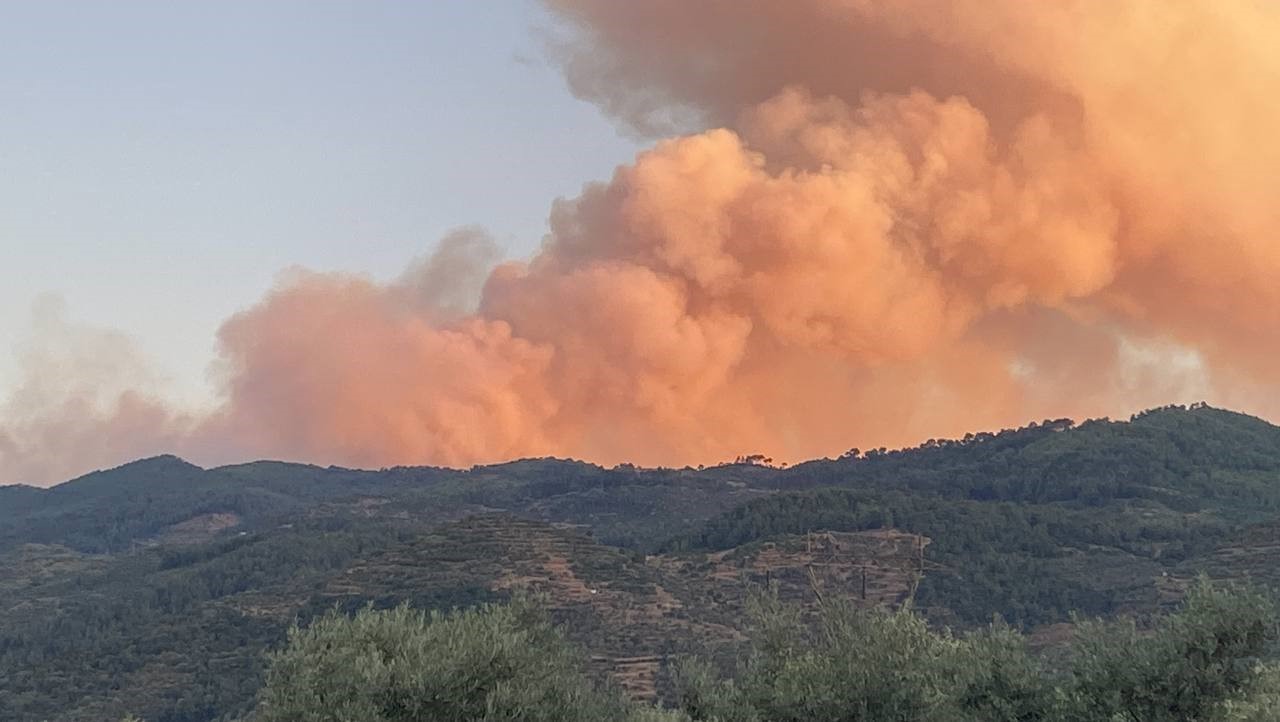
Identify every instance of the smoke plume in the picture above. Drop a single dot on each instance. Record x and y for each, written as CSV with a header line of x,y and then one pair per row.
x,y
80,404
868,223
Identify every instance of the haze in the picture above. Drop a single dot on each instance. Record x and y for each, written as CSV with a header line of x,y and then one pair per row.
x,y
164,162
851,223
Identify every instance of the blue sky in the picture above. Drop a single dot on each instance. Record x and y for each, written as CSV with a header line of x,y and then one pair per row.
x,y
160,162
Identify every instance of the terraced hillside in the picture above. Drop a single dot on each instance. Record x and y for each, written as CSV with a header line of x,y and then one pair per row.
x,y
632,613
158,585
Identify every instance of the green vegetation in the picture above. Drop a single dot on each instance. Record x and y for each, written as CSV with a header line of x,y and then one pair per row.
x,y
1030,563
488,664
1259,701
155,588
1184,459
849,664
1180,670
856,664
1036,522
157,621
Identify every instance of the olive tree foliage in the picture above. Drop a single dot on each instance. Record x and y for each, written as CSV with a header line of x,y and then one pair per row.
x,y
495,663
1184,668
851,665
842,664
855,664
1259,701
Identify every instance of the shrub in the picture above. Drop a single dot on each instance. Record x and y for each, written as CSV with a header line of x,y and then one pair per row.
x,y
490,664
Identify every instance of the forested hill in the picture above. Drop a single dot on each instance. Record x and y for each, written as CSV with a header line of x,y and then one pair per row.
x,y
1192,453
162,582
1183,459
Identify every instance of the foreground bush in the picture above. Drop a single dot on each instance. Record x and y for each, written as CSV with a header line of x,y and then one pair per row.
x,y
873,665
1258,702
1183,669
854,665
491,664
508,664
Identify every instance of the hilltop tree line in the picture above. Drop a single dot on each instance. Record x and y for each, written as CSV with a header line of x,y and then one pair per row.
x,y
1183,459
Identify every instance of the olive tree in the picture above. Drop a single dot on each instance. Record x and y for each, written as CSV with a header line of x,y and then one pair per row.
x,y
496,663
853,665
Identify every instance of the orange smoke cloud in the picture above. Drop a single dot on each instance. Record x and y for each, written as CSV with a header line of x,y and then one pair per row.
x,y
1165,111
878,222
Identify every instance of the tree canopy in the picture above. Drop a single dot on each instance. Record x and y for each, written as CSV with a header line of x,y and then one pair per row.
x,y
843,664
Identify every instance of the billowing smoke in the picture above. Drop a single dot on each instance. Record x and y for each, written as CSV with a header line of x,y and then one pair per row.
x,y
79,404
875,221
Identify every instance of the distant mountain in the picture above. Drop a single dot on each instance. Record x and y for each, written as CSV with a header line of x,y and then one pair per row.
x,y
156,586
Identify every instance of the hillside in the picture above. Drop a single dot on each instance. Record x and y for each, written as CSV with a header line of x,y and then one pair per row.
x,y
87,637
160,583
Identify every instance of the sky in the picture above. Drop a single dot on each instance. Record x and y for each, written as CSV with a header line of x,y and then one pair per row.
x,y
846,224
163,162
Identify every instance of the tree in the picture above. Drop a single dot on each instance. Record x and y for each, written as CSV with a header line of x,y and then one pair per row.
x,y
852,664
1260,701
496,663
840,664
1181,670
